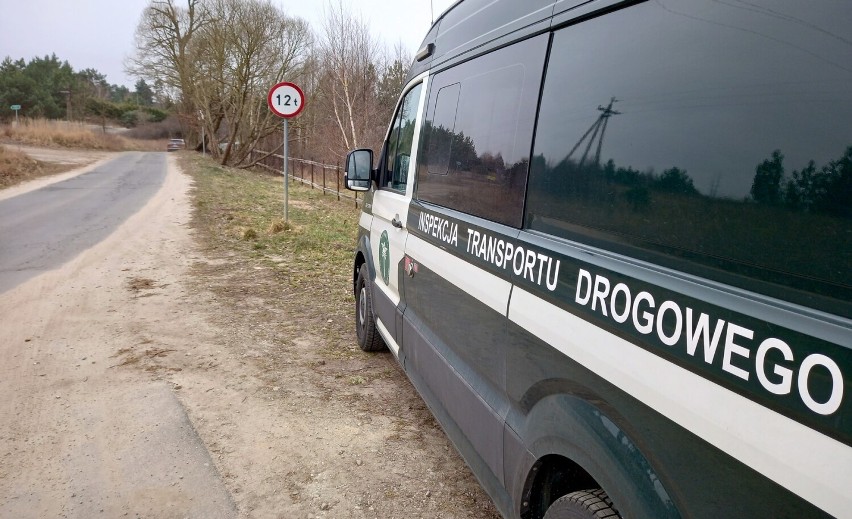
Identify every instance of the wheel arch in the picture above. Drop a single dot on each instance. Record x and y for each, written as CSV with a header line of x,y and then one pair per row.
x,y
574,443
362,256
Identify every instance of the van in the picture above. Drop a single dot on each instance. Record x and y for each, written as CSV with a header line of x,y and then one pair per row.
x,y
610,245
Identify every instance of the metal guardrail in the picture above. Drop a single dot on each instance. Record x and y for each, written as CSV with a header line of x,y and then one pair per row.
x,y
310,172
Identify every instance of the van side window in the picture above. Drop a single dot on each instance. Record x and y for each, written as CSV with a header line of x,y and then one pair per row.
x,y
478,132
731,162
443,123
400,141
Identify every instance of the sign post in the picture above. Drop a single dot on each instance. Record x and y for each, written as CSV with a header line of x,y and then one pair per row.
x,y
203,149
286,100
15,108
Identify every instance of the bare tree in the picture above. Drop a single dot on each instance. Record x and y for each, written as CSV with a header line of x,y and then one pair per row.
x,y
349,55
249,46
163,37
217,60
221,57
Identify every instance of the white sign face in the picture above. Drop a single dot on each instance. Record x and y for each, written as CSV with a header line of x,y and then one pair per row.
x,y
286,100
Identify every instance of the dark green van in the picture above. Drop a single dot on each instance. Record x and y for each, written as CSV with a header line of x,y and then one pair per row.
x,y
610,243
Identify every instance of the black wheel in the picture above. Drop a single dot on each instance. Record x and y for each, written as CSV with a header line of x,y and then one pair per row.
x,y
583,504
365,326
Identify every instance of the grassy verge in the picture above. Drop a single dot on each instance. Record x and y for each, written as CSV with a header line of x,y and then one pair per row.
x,y
301,268
245,211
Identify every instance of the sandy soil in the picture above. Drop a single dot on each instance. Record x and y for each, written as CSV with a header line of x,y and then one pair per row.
x,y
61,156
133,385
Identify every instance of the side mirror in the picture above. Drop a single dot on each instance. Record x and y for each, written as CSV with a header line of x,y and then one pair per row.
x,y
359,170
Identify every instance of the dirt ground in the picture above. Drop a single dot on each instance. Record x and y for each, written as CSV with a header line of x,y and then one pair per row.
x,y
292,418
60,156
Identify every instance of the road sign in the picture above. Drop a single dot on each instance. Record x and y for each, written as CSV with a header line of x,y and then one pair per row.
x,y
286,100
15,107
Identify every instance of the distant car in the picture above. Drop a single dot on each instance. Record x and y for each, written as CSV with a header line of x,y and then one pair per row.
x,y
176,144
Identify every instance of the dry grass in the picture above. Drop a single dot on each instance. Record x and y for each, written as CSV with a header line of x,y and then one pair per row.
x,y
61,134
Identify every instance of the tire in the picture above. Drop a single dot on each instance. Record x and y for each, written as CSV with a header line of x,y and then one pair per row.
x,y
365,324
583,504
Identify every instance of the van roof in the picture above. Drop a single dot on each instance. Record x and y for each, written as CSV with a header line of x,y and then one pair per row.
x,y
472,27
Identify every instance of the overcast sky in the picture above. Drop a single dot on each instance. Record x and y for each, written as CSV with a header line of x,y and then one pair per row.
x,y
99,34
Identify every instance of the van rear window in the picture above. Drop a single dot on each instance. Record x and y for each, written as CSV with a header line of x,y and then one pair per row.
x,y
718,143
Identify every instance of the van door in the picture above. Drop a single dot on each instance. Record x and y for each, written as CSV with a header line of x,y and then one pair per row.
x,y
461,252
390,211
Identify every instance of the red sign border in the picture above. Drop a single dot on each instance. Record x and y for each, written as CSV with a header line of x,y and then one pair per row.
x,y
272,107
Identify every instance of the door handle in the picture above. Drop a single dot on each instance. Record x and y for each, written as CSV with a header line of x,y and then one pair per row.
x,y
396,222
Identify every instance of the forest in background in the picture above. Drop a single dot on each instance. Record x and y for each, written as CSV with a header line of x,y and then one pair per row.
x,y
49,88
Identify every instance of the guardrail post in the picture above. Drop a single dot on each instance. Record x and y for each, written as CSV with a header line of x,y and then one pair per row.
x,y
337,175
312,173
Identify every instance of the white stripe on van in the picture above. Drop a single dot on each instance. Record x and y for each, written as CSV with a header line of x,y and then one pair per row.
x,y
789,453
484,286
365,221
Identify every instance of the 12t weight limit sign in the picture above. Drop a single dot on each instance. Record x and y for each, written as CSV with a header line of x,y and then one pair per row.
x,y
286,100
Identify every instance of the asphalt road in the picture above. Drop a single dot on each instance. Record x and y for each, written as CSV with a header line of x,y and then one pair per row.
x,y
42,229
